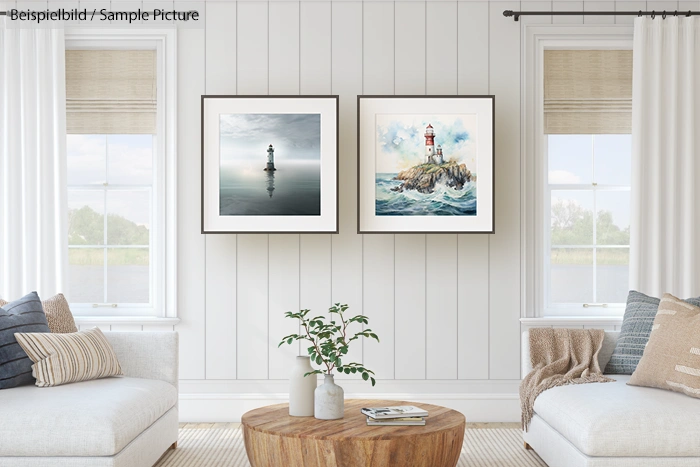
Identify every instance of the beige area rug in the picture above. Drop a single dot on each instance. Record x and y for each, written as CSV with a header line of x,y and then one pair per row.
x,y
223,447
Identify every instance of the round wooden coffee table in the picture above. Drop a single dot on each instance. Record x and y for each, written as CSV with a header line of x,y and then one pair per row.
x,y
274,439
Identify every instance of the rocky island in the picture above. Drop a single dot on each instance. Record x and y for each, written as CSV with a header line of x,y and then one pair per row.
x,y
424,177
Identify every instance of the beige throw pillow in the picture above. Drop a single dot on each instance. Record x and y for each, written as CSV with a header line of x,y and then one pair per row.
x,y
68,358
58,314
671,359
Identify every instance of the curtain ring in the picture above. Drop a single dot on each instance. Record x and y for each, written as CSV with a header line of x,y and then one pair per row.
x,y
688,15
653,14
664,15
640,14
675,13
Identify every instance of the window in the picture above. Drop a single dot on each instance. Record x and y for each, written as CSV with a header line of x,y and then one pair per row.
x,y
576,164
121,173
110,218
587,203
587,148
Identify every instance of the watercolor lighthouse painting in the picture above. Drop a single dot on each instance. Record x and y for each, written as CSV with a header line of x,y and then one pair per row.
x,y
270,164
426,165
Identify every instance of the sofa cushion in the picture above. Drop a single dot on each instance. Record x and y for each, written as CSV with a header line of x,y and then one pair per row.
x,y
58,313
22,315
672,357
636,326
91,418
617,420
69,357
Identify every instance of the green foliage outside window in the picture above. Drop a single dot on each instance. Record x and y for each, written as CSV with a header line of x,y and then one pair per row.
x,y
572,224
86,227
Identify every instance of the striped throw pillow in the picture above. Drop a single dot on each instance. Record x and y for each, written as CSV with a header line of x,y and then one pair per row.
x,y
671,359
634,335
23,315
58,314
69,358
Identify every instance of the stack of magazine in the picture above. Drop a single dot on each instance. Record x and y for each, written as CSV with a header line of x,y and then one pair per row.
x,y
403,415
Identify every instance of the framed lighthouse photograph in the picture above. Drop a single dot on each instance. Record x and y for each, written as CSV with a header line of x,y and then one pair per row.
x,y
269,164
425,164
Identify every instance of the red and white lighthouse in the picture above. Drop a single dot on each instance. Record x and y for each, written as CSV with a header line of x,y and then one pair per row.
x,y
429,143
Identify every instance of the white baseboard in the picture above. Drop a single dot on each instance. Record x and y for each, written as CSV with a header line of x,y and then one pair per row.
x,y
229,407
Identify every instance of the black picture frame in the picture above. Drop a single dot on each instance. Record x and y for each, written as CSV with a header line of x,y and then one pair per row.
x,y
360,99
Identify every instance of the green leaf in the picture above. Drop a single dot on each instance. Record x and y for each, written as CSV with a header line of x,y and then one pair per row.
x,y
354,370
365,376
347,370
290,340
319,360
337,361
373,381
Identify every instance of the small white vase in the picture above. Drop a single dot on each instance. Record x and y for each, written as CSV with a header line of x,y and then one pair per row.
x,y
329,400
301,389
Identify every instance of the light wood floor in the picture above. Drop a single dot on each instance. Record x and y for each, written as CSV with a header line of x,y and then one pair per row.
x,y
205,426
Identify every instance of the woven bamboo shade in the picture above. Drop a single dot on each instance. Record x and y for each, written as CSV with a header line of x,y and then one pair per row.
x,y
111,91
587,91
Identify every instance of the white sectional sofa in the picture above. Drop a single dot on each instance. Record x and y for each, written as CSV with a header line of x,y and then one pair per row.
x,y
126,421
612,424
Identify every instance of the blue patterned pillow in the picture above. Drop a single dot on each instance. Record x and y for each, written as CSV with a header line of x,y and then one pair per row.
x,y
23,315
634,334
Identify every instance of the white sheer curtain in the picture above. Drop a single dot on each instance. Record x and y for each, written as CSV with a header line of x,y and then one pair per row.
x,y
33,205
665,227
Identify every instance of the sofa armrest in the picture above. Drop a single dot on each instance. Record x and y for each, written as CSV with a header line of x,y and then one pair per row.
x,y
149,355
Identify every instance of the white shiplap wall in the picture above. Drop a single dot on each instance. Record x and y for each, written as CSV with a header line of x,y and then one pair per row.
x,y
447,307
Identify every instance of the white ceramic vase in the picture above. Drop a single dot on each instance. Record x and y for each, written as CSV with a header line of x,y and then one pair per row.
x,y
329,400
301,389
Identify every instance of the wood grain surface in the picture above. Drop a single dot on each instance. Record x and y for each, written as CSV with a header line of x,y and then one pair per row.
x,y
273,438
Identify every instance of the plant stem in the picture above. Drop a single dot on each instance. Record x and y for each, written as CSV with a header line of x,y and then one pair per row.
x,y
318,351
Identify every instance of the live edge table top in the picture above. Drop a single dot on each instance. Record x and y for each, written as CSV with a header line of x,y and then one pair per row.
x,y
275,419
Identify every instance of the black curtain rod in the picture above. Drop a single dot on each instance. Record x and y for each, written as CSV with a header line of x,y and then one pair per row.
x,y
517,14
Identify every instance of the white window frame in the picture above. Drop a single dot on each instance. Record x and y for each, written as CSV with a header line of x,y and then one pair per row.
x,y
534,176
163,247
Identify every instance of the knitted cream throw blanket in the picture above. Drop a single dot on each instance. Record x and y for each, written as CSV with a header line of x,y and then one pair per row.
x,y
560,357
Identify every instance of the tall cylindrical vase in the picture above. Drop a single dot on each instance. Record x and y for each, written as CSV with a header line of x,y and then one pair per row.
x,y
301,389
330,400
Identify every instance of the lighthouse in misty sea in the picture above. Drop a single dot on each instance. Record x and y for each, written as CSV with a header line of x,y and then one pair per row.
x,y
270,159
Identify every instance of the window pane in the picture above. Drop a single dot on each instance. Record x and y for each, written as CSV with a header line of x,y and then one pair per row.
x,y
128,275
612,274
570,159
129,217
86,275
86,217
613,219
86,159
130,159
613,156
571,275
572,217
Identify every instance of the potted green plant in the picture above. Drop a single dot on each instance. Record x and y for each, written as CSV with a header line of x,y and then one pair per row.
x,y
330,341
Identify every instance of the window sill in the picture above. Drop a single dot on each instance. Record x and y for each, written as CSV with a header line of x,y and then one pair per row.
x,y
138,320
572,321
